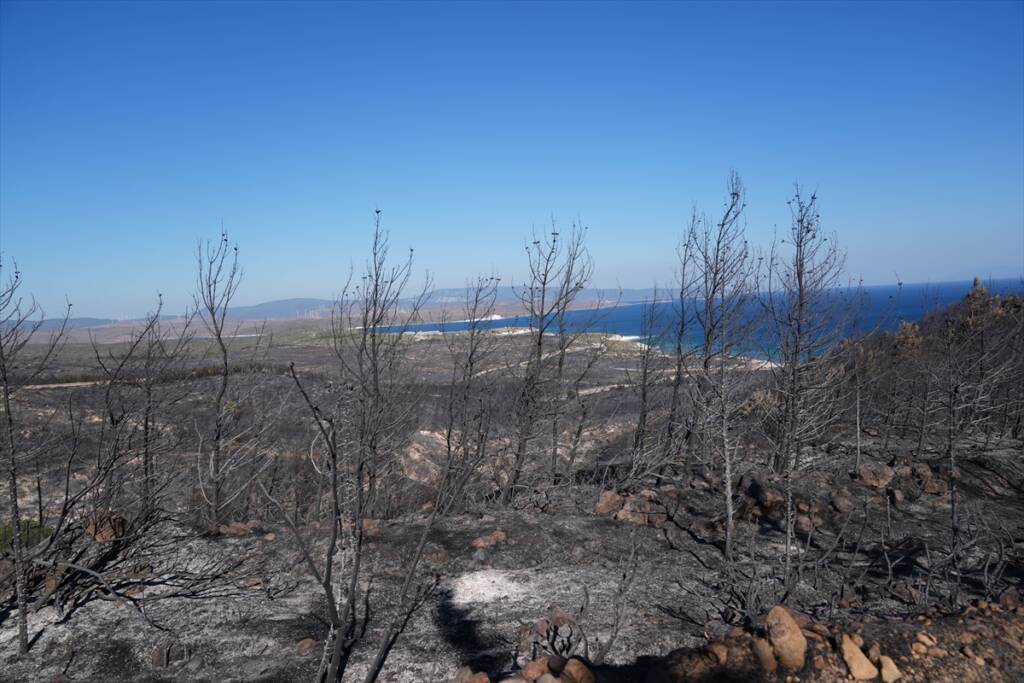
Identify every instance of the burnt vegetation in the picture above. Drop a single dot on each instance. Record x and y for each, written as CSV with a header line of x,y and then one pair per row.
x,y
332,502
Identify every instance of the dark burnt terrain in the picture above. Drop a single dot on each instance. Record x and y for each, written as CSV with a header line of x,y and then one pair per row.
x,y
494,570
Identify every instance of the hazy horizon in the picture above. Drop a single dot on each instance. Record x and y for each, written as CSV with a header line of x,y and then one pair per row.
x,y
130,131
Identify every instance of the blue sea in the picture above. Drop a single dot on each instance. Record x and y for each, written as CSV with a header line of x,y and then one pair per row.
x,y
879,308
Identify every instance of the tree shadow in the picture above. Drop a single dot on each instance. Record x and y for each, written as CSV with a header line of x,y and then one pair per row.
x,y
463,633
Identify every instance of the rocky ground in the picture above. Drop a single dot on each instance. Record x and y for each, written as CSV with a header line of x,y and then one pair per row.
x,y
639,572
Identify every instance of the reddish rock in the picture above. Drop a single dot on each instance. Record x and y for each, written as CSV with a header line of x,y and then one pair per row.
x,y
533,670
765,655
235,529
105,526
640,509
876,476
788,643
842,501
371,528
489,541
860,667
305,646
890,672
922,471
608,502
466,675
437,557
576,671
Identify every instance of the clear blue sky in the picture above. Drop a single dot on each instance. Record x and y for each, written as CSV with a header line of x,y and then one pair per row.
x,y
127,131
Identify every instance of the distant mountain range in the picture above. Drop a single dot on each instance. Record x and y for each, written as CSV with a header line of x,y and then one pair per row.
x,y
51,324
297,309
312,309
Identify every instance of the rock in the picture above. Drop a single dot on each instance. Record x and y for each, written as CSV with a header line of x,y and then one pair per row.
x,y
548,678
371,528
788,643
720,651
842,501
466,675
436,556
489,541
922,471
305,646
765,655
608,502
860,668
576,671
889,671
812,635
642,509
875,652
821,629
803,525
105,526
234,529
935,486
271,536
1010,599
918,648
876,476
533,670
926,639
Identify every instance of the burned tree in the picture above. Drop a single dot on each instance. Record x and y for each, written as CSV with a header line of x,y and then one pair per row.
x,y
360,423
559,269
19,323
806,317
469,405
724,282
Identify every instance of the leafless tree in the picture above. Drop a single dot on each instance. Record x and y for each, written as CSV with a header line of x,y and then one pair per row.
x,y
232,453
361,425
724,272
143,379
682,324
559,269
218,276
652,332
469,403
806,315
19,366
968,366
